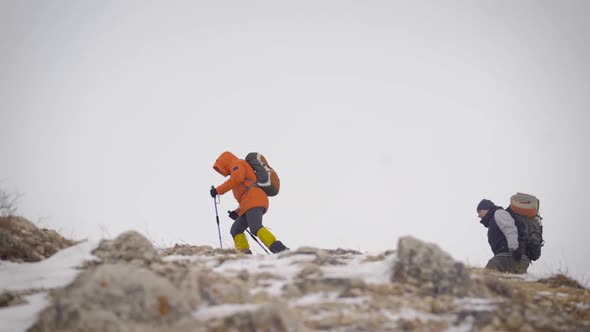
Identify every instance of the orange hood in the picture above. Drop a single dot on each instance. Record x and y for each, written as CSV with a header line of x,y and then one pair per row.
x,y
223,163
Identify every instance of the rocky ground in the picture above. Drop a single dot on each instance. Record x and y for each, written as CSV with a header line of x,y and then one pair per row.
x,y
132,286
22,241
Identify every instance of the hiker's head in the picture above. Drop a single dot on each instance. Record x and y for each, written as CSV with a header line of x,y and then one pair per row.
x,y
484,206
223,163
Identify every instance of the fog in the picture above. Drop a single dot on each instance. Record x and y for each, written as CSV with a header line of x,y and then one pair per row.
x,y
382,118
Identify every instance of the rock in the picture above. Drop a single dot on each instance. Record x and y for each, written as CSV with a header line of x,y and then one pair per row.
x,y
310,270
427,266
189,250
115,297
301,251
291,292
324,285
218,289
187,280
130,246
323,257
514,321
22,241
215,290
8,298
271,317
342,252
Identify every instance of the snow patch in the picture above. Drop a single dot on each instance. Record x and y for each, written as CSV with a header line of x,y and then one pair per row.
x,y
328,297
56,271
412,314
22,317
222,310
377,272
176,258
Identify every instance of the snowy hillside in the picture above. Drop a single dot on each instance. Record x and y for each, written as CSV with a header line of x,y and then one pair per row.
x,y
126,284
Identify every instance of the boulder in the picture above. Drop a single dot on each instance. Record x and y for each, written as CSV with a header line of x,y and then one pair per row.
x,y
270,317
189,250
218,289
22,241
427,266
130,246
116,296
8,298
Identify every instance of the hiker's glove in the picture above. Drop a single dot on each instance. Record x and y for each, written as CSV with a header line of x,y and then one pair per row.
x,y
516,254
233,214
213,192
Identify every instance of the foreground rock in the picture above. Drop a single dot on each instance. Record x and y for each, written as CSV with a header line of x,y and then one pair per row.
x,y
418,287
275,317
22,241
8,299
115,295
427,266
130,246
134,290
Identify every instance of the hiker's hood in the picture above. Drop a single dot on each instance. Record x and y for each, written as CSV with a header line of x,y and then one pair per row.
x,y
223,163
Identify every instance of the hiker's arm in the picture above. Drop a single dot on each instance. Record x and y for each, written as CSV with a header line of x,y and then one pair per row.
x,y
508,227
237,175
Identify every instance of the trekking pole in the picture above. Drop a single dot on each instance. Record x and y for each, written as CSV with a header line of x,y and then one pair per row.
x,y
215,202
254,238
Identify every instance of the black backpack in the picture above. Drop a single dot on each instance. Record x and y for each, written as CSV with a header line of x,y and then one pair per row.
x,y
530,234
266,177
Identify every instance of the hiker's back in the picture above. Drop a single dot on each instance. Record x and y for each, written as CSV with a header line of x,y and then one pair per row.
x,y
266,177
524,208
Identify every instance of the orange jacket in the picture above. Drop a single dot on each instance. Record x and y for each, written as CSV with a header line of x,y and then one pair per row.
x,y
241,182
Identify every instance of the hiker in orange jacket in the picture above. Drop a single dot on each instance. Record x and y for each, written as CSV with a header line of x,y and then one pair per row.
x,y
253,202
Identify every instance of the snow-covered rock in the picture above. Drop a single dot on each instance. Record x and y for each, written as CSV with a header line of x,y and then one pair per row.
x,y
130,246
113,295
22,241
429,267
198,288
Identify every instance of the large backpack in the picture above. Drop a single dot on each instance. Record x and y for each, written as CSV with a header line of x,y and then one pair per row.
x,y
266,177
524,209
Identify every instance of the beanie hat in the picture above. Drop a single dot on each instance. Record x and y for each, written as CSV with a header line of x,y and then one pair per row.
x,y
485,204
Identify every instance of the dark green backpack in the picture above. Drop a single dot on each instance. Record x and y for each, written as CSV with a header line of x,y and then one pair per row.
x,y
530,234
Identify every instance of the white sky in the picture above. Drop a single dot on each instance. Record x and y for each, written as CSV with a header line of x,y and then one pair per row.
x,y
382,118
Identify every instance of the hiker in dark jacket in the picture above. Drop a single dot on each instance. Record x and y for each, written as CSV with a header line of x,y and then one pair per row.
x,y
503,239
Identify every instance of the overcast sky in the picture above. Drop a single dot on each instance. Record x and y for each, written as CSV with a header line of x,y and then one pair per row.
x,y
382,118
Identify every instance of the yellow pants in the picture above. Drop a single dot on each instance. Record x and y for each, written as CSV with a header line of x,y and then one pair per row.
x,y
241,242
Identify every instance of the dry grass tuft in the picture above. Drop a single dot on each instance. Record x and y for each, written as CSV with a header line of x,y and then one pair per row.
x,y
561,280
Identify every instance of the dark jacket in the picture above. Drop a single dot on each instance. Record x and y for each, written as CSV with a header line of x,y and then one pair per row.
x,y
502,231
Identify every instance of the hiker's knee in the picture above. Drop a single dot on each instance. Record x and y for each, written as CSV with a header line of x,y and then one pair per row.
x,y
234,230
239,226
255,228
496,263
255,219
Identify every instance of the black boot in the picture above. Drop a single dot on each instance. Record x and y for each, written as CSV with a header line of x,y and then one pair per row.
x,y
277,247
246,251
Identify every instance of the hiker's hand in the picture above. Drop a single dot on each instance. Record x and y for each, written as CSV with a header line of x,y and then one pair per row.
x,y
233,214
516,254
213,192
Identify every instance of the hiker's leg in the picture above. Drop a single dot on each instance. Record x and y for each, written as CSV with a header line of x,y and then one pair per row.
x,y
237,233
511,265
254,217
499,263
521,266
